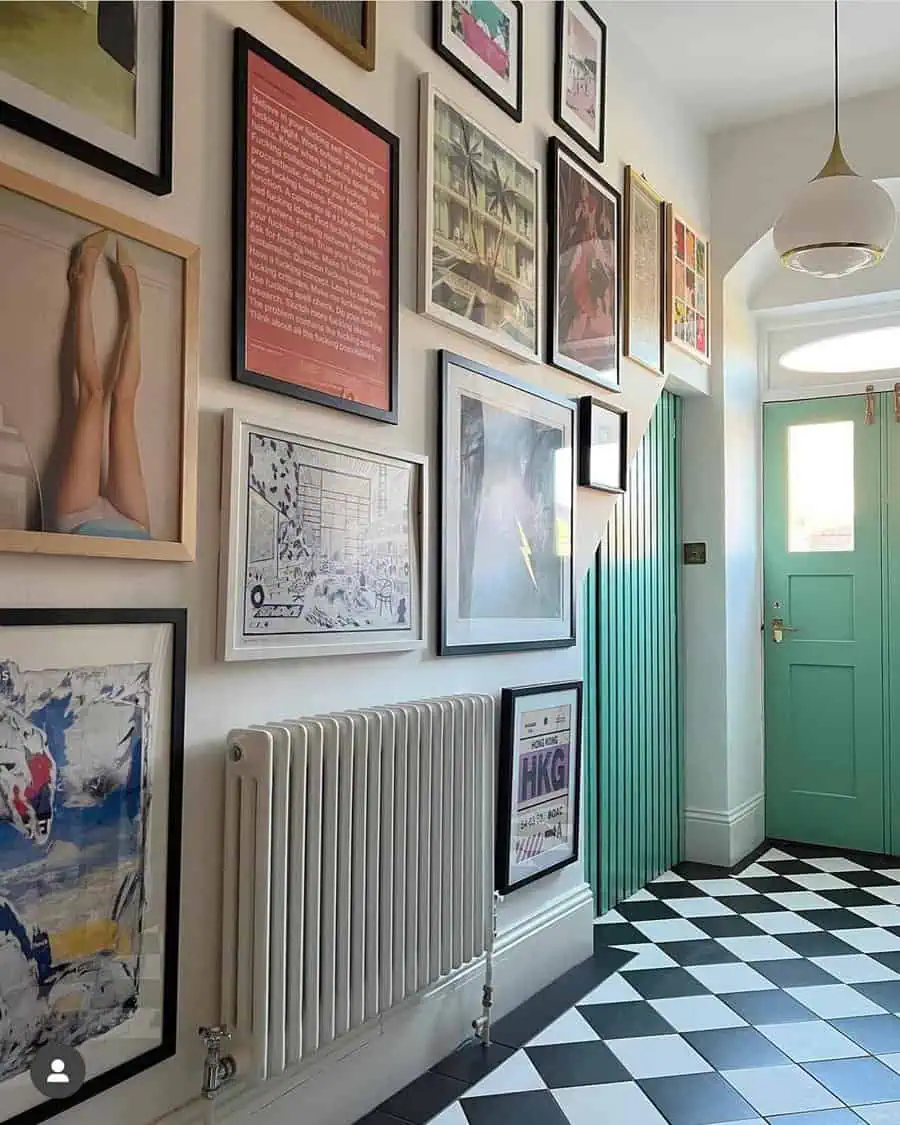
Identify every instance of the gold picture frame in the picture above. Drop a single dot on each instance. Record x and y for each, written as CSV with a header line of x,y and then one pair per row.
x,y
93,432
643,327
361,51
687,287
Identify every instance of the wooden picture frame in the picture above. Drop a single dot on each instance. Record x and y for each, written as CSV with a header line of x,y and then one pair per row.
x,y
109,512
362,50
460,40
579,76
538,745
601,426
644,295
291,587
118,676
687,287
123,125
488,423
336,344
452,261
584,258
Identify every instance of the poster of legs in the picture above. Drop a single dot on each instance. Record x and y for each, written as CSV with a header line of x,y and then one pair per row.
x,y
507,494
540,766
324,546
90,758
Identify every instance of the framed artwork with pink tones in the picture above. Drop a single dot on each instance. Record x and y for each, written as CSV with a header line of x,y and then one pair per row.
x,y
579,104
687,287
98,379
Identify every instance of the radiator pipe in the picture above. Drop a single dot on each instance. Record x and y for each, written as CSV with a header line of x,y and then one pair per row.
x,y
482,1025
217,1068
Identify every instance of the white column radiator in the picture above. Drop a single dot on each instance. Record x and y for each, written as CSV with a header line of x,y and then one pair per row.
x,y
358,868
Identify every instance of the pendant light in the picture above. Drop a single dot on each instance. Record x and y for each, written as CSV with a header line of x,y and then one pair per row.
x,y
840,222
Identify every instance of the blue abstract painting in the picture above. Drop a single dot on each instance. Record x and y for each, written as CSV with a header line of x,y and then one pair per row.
x,y
73,808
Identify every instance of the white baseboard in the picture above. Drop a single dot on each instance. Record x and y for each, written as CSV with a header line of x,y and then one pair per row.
x,y
724,836
346,1081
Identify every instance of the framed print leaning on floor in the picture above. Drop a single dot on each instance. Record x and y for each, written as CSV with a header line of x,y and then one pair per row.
x,y
93,80
98,379
539,782
324,546
91,750
507,519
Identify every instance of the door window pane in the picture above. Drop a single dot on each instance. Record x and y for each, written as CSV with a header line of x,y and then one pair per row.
x,y
820,487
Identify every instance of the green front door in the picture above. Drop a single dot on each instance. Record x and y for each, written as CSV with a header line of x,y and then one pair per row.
x,y
823,534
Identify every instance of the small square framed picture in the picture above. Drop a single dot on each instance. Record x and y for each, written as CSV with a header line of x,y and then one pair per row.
x,y
482,39
602,446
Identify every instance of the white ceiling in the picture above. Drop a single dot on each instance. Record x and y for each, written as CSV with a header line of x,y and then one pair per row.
x,y
734,61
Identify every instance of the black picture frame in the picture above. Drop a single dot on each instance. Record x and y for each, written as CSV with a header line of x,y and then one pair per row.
x,y
177,619
509,697
587,408
447,645
158,182
597,150
244,44
557,154
515,110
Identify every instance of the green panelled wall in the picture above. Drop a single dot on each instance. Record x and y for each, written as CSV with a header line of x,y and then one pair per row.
x,y
633,757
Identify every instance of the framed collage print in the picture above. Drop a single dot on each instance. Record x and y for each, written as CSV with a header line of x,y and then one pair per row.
x,y
645,261
687,277
482,39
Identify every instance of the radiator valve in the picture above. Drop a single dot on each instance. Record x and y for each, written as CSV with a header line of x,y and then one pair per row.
x,y
217,1068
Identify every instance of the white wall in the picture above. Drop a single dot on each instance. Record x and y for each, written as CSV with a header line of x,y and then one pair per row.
x,y
645,128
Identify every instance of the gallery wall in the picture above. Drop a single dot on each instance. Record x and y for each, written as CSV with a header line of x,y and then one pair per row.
x,y
644,128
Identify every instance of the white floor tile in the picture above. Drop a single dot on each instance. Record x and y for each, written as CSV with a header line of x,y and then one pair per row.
x,y
723,888
453,1115
870,939
667,877
614,990
614,1102
697,1013
701,907
802,900
757,871
608,918
733,977
855,969
648,957
886,1113
835,863
811,1042
781,1089
893,1061
781,922
757,948
886,915
774,853
892,873
833,1001
889,894
670,929
511,1077
821,881
658,1056
571,1027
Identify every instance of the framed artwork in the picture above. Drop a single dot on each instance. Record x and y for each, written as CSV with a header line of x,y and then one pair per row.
x,y
583,309
580,78
93,80
324,546
316,214
480,240
602,446
98,379
539,782
644,273
507,513
348,25
482,39
687,280
91,748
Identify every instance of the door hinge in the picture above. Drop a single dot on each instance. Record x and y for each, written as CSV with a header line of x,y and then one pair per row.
x,y
870,404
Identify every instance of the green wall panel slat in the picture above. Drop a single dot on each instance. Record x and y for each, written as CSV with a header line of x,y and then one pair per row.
x,y
633,768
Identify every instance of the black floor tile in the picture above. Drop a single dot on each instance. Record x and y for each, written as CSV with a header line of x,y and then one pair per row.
x,y
753,904
854,896
770,884
377,1117
768,1006
645,911
857,1081
793,972
690,870
727,925
471,1062
836,919
879,1035
891,960
666,890
626,1020
734,1048
867,879
875,861
697,1099
885,993
537,1107
423,1099
577,1064
655,984
817,944
617,933
790,866
699,952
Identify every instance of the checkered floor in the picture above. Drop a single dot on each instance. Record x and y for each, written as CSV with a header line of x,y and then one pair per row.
x,y
769,996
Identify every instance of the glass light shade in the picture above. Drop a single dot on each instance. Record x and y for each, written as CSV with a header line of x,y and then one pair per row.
x,y
838,224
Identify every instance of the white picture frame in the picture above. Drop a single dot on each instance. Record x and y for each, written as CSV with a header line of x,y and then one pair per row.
x,y
528,249
247,588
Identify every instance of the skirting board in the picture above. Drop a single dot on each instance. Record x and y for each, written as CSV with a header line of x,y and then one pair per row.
x,y
724,837
342,1083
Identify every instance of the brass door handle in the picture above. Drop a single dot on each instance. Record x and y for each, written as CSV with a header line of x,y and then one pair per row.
x,y
779,629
